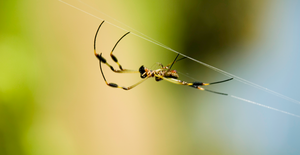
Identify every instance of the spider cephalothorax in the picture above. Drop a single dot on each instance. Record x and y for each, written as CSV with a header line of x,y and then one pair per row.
x,y
145,72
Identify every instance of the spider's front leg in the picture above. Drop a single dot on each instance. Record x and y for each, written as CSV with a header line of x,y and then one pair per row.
x,y
114,85
114,57
103,60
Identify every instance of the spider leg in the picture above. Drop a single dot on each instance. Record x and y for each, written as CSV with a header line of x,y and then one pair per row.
x,y
193,84
111,53
175,60
114,85
220,81
206,84
102,59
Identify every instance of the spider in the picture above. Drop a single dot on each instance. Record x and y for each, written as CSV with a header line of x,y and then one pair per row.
x,y
163,73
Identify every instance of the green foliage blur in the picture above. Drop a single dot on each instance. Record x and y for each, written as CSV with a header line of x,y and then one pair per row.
x,y
18,80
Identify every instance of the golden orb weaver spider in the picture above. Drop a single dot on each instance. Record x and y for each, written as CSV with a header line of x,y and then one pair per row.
x,y
163,73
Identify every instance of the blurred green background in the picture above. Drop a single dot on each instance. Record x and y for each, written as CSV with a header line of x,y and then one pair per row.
x,y
53,99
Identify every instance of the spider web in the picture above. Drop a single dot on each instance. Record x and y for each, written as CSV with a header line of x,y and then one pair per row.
x,y
149,39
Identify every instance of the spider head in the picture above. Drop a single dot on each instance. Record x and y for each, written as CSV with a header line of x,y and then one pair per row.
x,y
143,72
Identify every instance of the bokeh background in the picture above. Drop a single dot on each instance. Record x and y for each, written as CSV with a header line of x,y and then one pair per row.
x,y
53,99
